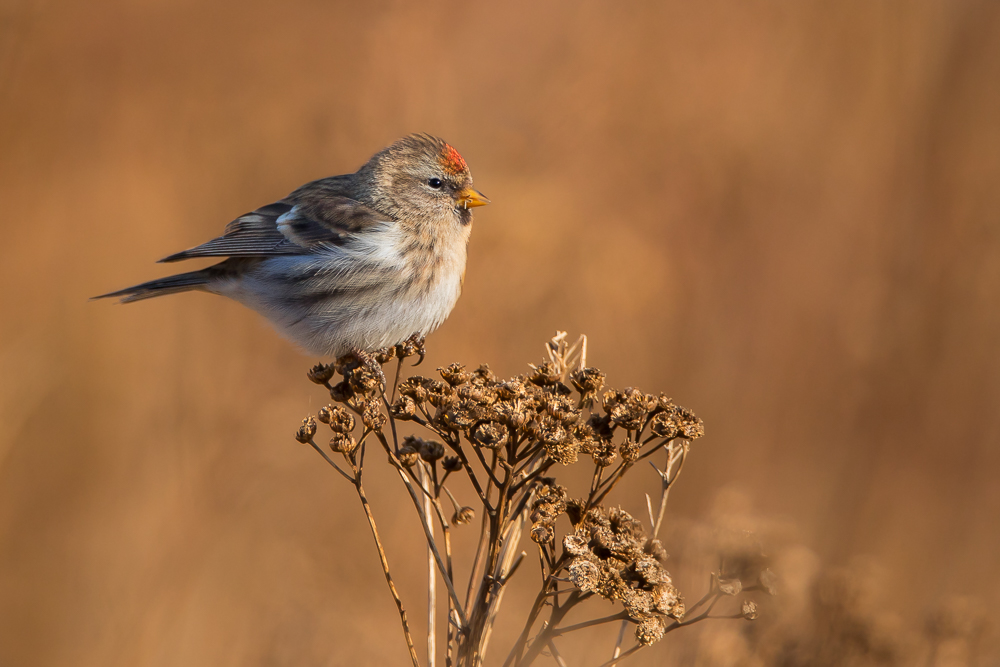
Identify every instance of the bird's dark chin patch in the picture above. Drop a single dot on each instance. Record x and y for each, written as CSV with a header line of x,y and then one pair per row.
x,y
464,216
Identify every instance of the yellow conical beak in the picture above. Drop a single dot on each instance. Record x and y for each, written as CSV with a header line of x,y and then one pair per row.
x,y
469,198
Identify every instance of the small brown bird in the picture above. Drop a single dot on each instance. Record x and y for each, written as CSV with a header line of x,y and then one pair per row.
x,y
348,263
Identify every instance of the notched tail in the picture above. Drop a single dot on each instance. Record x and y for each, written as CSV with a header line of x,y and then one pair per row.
x,y
182,282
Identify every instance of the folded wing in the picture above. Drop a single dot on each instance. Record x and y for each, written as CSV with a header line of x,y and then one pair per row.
x,y
316,216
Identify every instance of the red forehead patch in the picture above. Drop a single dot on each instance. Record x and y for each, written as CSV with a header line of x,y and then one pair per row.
x,y
451,161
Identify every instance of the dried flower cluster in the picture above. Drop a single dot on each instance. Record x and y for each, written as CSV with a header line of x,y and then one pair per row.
x,y
612,556
505,436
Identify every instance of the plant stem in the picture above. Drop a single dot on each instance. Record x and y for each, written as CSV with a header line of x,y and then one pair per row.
x,y
424,523
385,571
620,616
431,582
614,661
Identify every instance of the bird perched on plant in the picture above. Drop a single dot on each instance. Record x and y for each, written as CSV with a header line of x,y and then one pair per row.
x,y
348,263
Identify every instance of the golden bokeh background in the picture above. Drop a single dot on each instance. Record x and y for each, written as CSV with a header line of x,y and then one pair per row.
x,y
786,215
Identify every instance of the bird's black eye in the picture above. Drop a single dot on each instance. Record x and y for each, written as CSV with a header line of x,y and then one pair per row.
x,y
435,183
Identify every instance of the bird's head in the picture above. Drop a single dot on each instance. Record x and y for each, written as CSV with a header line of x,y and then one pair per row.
x,y
422,179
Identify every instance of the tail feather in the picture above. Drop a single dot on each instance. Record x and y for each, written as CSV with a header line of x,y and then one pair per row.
x,y
182,282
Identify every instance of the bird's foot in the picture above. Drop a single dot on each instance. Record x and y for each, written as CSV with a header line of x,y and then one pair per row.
x,y
412,346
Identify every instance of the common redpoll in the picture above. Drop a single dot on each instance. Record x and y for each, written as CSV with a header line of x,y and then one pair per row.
x,y
347,263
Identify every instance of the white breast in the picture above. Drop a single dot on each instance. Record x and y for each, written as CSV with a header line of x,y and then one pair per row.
x,y
364,295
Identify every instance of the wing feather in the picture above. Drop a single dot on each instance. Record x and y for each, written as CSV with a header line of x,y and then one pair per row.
x,y
317,215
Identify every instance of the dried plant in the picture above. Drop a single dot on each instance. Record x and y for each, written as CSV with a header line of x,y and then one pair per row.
x,y
509,438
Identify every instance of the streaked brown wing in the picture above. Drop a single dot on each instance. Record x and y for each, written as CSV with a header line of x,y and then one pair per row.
x,y
316,215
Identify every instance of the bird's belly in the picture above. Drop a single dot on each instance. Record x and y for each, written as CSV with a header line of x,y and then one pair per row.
x,y
329,318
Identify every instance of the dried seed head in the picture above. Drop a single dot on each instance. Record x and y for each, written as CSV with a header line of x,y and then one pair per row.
x,y
343,444
588,380
451,464
404,408
363,379
385,355
601,426
730,586
372,416
476,394
638,603
483,375
550,493
542,533
510,413
768,581
339,419
629,451
512,389
585,441
408,456
306,431
463,516
414,388
664,425
674,421
650,630
455,374
655,549
459,417
564,451
549,430
650,570
519,421
749,610
491,435
666,599
320,373
627,408
584,574
324,415
604,453
344,363
431,450
691,427
342,392
545,375
438,393
575,545
563,410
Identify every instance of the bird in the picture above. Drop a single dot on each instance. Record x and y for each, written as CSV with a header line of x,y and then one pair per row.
x,y
347,264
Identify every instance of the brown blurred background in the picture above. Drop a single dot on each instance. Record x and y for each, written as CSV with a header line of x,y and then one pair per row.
x,y
784,214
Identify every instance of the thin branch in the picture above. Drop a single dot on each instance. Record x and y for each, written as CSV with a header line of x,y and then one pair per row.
x,y
431,582
513,568
388,577
349,478
620,616
555,654
477,562
549,629
618,643
486,466
424,523
614,661
668,481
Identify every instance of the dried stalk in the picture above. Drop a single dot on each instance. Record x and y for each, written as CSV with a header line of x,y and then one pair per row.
x,y
519,432
385,570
